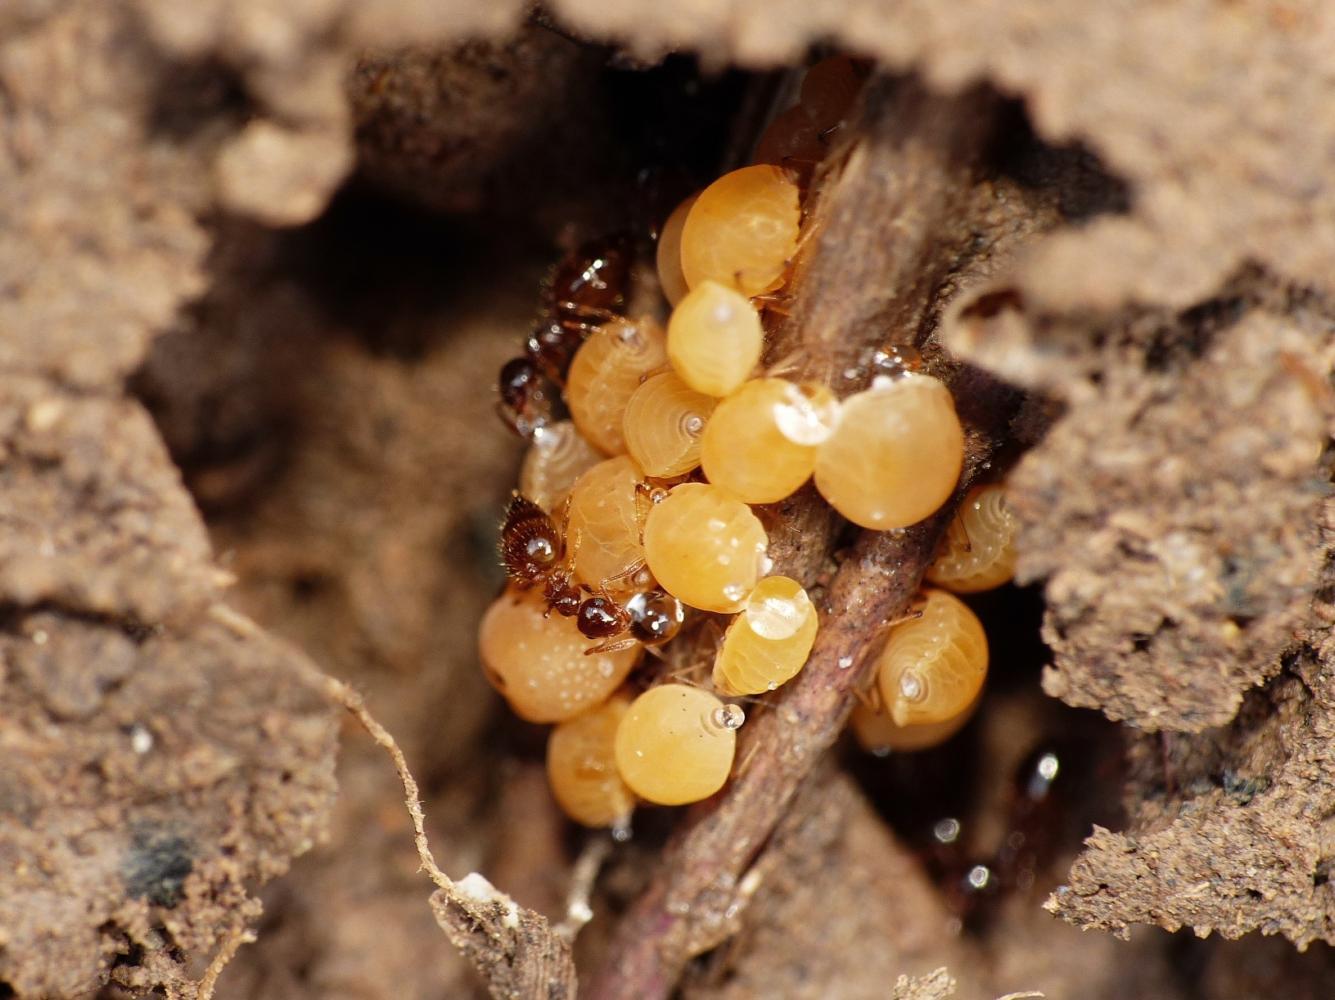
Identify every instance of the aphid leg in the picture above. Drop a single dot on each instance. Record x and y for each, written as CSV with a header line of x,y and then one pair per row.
x,y
750,753
870,697
786,365
611,646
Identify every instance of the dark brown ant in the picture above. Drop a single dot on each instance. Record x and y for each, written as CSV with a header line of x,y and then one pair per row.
x,y
586,288
533,550
649,617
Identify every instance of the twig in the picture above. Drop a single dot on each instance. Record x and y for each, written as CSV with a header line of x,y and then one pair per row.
x,y
896,225
209,981
515,950
582,878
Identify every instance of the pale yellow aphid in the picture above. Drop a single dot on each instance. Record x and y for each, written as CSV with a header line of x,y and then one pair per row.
x,y
537,661
714,338
705,547
676,744
742,230
896,454
768,643
603,525
664,423
877,733
607,368
557,457
761,441
668,258
581,766
933,666
978,551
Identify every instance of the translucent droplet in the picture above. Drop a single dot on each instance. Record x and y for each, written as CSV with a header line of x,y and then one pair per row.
x,y
728,717
910,686
946,831
845,662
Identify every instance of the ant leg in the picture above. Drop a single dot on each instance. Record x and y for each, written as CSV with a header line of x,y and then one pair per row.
x,y
611,646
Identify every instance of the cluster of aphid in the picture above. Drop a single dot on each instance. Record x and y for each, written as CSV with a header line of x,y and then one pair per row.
x,y
637,510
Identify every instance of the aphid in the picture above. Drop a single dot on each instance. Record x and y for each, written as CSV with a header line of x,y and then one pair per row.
x,y
675,744
603,525
978,550
792,139
665,419
742,230
828,91
668,257
557,457
760,443
604,374
933,666
528,398
581,766
714,338
538,662
648,617
768,643
896,454
705,547
877,733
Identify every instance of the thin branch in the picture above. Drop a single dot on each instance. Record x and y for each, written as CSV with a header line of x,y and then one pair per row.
x,y
515,950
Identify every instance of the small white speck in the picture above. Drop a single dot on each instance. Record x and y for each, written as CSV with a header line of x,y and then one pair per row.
x,y
946,831
1048,766
979,876
910,687
141,740
845,662
39,637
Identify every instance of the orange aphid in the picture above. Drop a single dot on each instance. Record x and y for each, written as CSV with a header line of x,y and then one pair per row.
x,y
768,643
705,547
665,420
896,454
714,339
933,666
877,733
668,257
676,744
742,230
581,766
608,367
978,550
557,457
603,525
538,662
761,441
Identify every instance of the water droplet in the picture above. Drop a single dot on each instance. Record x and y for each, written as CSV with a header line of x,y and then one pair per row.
x,y
845,662
728,717
621,830
946,831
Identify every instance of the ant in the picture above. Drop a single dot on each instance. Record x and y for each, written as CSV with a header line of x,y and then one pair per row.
x,y
533,549
588,286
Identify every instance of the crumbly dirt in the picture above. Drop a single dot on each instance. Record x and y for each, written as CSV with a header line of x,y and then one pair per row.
x,y
208,307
